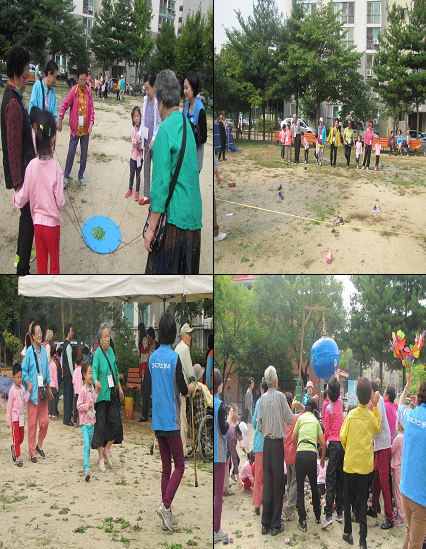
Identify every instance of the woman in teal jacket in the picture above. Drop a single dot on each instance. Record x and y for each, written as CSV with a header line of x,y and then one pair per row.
x,y
35,364
399,141
322,137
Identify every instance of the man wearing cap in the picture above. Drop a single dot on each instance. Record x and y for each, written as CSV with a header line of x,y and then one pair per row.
x,y
309,394
368,141
182,348
295,131
348,139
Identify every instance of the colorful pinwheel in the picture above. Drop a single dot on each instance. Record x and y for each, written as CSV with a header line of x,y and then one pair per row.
x,y
404,353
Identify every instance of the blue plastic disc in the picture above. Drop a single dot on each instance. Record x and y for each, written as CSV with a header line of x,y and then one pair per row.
x,y
101,234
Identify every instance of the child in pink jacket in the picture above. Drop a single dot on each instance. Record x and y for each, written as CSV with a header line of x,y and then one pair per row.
x,y
287,143
86,406
136,160
42,188
18,397
53,383
77,383
82,117
282,140
377,148
305,146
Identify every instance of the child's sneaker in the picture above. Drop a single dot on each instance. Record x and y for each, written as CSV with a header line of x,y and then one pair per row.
x,y
339,518
13,452
87,474
18,461
327,522
129,192
288,516
137,196
377,169
399,522
366,168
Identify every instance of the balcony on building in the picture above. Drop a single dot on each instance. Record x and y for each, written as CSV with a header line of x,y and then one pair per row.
x,y
374,16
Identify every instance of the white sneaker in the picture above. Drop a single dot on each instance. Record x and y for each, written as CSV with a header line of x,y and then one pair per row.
x,y
165,514
219,237
220,536
366,168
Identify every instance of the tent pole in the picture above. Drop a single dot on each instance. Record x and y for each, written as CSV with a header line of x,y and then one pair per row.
x,y
19,328
90,325
182,315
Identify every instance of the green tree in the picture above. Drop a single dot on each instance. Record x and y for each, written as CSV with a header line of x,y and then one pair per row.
x,y
329,65
189,46
164,55
390,66
123,32
207,69
79,52
102,34
143,43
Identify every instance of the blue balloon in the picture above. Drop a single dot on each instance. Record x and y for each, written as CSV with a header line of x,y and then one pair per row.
x,y
323,354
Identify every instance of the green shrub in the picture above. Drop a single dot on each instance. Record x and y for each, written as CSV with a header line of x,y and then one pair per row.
x,y
270,125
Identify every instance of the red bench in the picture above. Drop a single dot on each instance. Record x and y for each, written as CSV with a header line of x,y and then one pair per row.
x,y
133,382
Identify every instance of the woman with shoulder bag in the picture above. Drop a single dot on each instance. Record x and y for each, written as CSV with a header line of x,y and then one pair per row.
x,y
175,189
35,373
108,427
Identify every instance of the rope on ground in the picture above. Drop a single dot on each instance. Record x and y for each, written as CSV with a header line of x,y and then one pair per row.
x,y
125,171
350,226
72,205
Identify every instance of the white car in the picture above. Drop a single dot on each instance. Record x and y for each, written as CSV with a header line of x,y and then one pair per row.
x,y
32,69
303,125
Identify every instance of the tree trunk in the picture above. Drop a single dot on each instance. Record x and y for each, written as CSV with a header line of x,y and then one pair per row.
x,y
263,110
318,111
394,119
249,123
417,125
71,310
172,309
381,375
297,102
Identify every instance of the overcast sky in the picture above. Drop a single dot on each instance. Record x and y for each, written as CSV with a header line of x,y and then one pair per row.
x,y
348,289
224,16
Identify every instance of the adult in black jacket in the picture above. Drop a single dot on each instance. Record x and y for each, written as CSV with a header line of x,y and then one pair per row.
x,y
222,134
67,372
18,148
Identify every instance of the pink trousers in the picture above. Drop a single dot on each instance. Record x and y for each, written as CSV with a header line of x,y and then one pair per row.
x,y
396,493
258,479
36,414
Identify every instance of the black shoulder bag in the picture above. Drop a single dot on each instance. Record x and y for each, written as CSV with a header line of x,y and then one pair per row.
x,y
42,391
115,395
160,231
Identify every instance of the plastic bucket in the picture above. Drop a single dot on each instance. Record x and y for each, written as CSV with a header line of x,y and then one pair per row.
x,y
128,407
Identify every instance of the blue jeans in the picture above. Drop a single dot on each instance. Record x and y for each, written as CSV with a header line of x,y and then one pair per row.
x,y
84,144
87,432
134,168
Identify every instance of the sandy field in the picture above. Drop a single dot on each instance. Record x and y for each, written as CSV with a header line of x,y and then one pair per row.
x,y
50,505
107,180
244,527
259,241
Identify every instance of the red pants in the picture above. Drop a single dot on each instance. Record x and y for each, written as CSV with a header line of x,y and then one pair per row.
x,y
247,484
18,437
381,482
36,414
47,243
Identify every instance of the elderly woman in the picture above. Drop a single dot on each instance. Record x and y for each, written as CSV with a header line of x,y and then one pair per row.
x,y
18,148
272,412
412,486
348,141
306,432
108,427
334,140
295,132
82,117
35,373
168,383
180,250
196,114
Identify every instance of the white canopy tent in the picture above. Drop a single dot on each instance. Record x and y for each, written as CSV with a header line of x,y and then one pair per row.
x,y
121,288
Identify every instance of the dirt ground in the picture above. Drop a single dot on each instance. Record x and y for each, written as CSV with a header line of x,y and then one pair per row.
x,y
107,180
259,240
50,505
244,527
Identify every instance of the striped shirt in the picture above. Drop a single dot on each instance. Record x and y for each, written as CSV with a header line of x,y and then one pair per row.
x,y
231,440
273,411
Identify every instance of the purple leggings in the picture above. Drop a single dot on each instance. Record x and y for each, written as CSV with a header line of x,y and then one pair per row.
x,y
171,446
219,477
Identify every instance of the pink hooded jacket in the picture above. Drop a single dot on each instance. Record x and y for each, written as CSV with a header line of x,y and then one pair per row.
x,y
71,101
85,397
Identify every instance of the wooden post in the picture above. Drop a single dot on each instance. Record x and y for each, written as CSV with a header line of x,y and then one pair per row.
x,y
310,309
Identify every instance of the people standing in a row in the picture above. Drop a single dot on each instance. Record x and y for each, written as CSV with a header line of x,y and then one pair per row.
x,y
195,112
18,148
296,131
150,123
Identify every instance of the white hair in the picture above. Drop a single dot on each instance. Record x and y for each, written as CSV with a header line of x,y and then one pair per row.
x,y
270,376
102,328
295,115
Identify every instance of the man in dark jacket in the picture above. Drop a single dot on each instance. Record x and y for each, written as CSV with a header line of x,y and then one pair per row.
x,y
222,133
67,372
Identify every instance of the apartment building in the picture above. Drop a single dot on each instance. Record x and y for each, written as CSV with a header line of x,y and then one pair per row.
x,y
364,20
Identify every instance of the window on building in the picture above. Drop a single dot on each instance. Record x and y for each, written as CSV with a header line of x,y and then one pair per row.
x,y
374,13
372,38
347,14
89,26
349,38
310,8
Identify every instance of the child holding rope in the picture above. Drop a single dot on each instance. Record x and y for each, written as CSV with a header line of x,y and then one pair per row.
x,y
137,152
42,188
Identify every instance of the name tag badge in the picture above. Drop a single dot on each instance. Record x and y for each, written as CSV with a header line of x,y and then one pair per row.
x,y
349,141
21,420
110,381
145,133
81,120
40,380
91,414
138,162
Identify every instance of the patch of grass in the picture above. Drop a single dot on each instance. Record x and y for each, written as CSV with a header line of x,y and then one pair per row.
x,y
54,507
80,530
124,523
137,527
191,543
244,260
47,515
121,482
64,511
30,483
243,246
